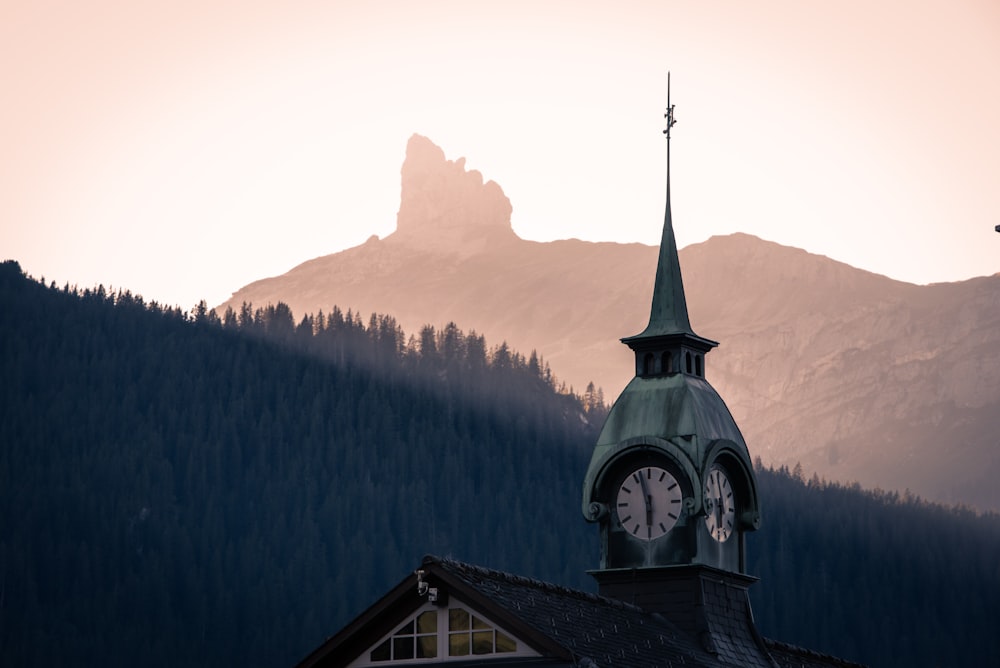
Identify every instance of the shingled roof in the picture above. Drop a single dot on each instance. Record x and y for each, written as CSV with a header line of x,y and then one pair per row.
x,y
605,631
566,627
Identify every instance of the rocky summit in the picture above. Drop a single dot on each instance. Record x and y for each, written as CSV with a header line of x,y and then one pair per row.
x,y
445,208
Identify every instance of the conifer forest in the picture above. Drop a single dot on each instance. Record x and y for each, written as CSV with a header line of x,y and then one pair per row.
x,y
201,489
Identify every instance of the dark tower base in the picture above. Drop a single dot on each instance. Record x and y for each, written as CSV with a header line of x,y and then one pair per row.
x,y
704,602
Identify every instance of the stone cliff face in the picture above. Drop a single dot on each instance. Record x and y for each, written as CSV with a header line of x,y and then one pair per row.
x,y
856,376
446,208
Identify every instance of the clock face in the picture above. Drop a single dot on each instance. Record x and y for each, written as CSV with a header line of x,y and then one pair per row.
x,y
720,505
649,502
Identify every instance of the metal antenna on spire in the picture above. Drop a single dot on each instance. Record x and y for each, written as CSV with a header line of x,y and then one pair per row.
x,y
666,131
670,112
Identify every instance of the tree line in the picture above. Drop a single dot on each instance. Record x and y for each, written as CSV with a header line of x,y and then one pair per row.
x,y
191,489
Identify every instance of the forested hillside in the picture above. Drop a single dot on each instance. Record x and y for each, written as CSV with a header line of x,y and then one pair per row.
x,y
875,576
186,489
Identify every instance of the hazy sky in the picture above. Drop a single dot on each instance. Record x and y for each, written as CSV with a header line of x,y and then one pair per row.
x,y
183,149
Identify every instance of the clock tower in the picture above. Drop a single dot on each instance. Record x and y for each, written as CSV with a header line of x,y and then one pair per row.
x,y
670,484
671,487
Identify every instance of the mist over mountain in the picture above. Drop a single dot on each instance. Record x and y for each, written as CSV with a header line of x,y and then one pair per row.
x,y
855,376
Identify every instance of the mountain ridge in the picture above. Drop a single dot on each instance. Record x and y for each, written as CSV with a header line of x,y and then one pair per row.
x,y
855,375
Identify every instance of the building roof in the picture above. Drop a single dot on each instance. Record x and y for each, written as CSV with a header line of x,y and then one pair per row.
x,y
565,627
791,656
606,631
668,407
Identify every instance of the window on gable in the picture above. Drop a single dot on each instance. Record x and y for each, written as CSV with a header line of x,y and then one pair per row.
x,y
453,632
468,634
417,639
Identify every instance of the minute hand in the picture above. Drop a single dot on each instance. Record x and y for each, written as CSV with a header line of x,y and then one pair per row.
x,y
647,498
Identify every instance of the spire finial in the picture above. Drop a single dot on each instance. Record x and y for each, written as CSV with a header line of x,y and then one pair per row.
x,y
669,115
671,121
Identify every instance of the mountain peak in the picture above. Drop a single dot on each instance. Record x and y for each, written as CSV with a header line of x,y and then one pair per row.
x,y
445,207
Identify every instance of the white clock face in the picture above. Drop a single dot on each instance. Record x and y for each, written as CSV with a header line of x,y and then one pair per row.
x,y
720,505
649,502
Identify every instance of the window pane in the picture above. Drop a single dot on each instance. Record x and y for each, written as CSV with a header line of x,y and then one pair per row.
x,y
381,653
482,642
402,647
427,647
505,643
458,620
458,644
427,622
479,624
406,629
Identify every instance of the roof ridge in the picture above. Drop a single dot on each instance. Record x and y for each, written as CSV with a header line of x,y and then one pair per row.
x,y
511,578
789,647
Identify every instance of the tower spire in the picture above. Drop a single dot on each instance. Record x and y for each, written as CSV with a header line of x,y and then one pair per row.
x,y
670,482
668,315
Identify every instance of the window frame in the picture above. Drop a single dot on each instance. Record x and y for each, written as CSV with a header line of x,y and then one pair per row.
x,y
443,635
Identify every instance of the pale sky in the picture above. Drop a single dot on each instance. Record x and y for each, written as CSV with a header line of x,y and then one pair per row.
x,y
183,149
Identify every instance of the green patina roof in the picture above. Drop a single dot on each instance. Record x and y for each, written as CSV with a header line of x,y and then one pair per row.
x,y
667,407
661,408
668,314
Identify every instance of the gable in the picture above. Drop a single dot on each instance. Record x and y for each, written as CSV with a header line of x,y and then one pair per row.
x,y
440,634
490,633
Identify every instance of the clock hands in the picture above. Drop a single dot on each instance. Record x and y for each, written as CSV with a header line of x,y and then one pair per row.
x,y
713,504
646,497
718,504
662,498
719,507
